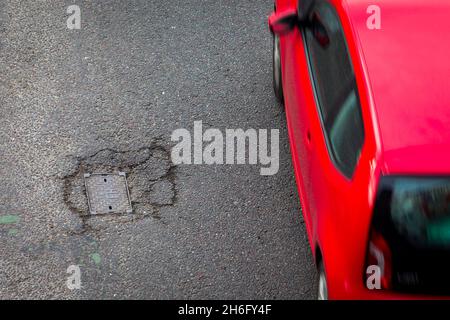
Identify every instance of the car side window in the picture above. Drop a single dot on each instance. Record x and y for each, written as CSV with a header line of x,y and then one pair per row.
x,y
335,87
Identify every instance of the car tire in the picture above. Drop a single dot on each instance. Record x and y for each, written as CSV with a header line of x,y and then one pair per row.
x,y
322,290
276,69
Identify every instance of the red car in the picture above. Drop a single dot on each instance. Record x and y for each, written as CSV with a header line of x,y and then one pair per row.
x,y
367,101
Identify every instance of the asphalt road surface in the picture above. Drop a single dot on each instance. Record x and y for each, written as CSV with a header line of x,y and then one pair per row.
x,y
108,97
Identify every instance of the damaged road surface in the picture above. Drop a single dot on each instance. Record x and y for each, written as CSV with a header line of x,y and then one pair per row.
x,y
105,99
146,179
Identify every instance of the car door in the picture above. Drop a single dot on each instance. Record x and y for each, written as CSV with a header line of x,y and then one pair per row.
x,y
337,128
296,82
324,109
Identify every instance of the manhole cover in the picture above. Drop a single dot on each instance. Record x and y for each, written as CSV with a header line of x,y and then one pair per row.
x,y
107,193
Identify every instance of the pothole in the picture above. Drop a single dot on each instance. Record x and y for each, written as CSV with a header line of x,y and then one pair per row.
x,y
150,176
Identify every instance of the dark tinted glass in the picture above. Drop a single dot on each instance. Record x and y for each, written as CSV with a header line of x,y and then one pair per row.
x,y
335,87
413,216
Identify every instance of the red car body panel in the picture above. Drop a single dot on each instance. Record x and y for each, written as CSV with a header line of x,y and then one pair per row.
x,y
406,121
408,68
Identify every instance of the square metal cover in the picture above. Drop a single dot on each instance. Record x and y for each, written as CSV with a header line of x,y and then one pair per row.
x,y
107,193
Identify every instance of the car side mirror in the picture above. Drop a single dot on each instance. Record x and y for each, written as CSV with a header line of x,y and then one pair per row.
x,y
283,21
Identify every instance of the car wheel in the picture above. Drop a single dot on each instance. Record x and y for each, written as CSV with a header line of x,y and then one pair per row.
x,y
277,84
322,293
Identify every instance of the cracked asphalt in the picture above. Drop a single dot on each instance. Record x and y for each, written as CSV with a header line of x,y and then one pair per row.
x,y
108,96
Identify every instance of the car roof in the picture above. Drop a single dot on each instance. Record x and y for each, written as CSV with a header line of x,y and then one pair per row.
x,y
408,67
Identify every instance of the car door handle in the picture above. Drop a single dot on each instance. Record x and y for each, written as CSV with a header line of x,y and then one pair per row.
x,y
308,137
